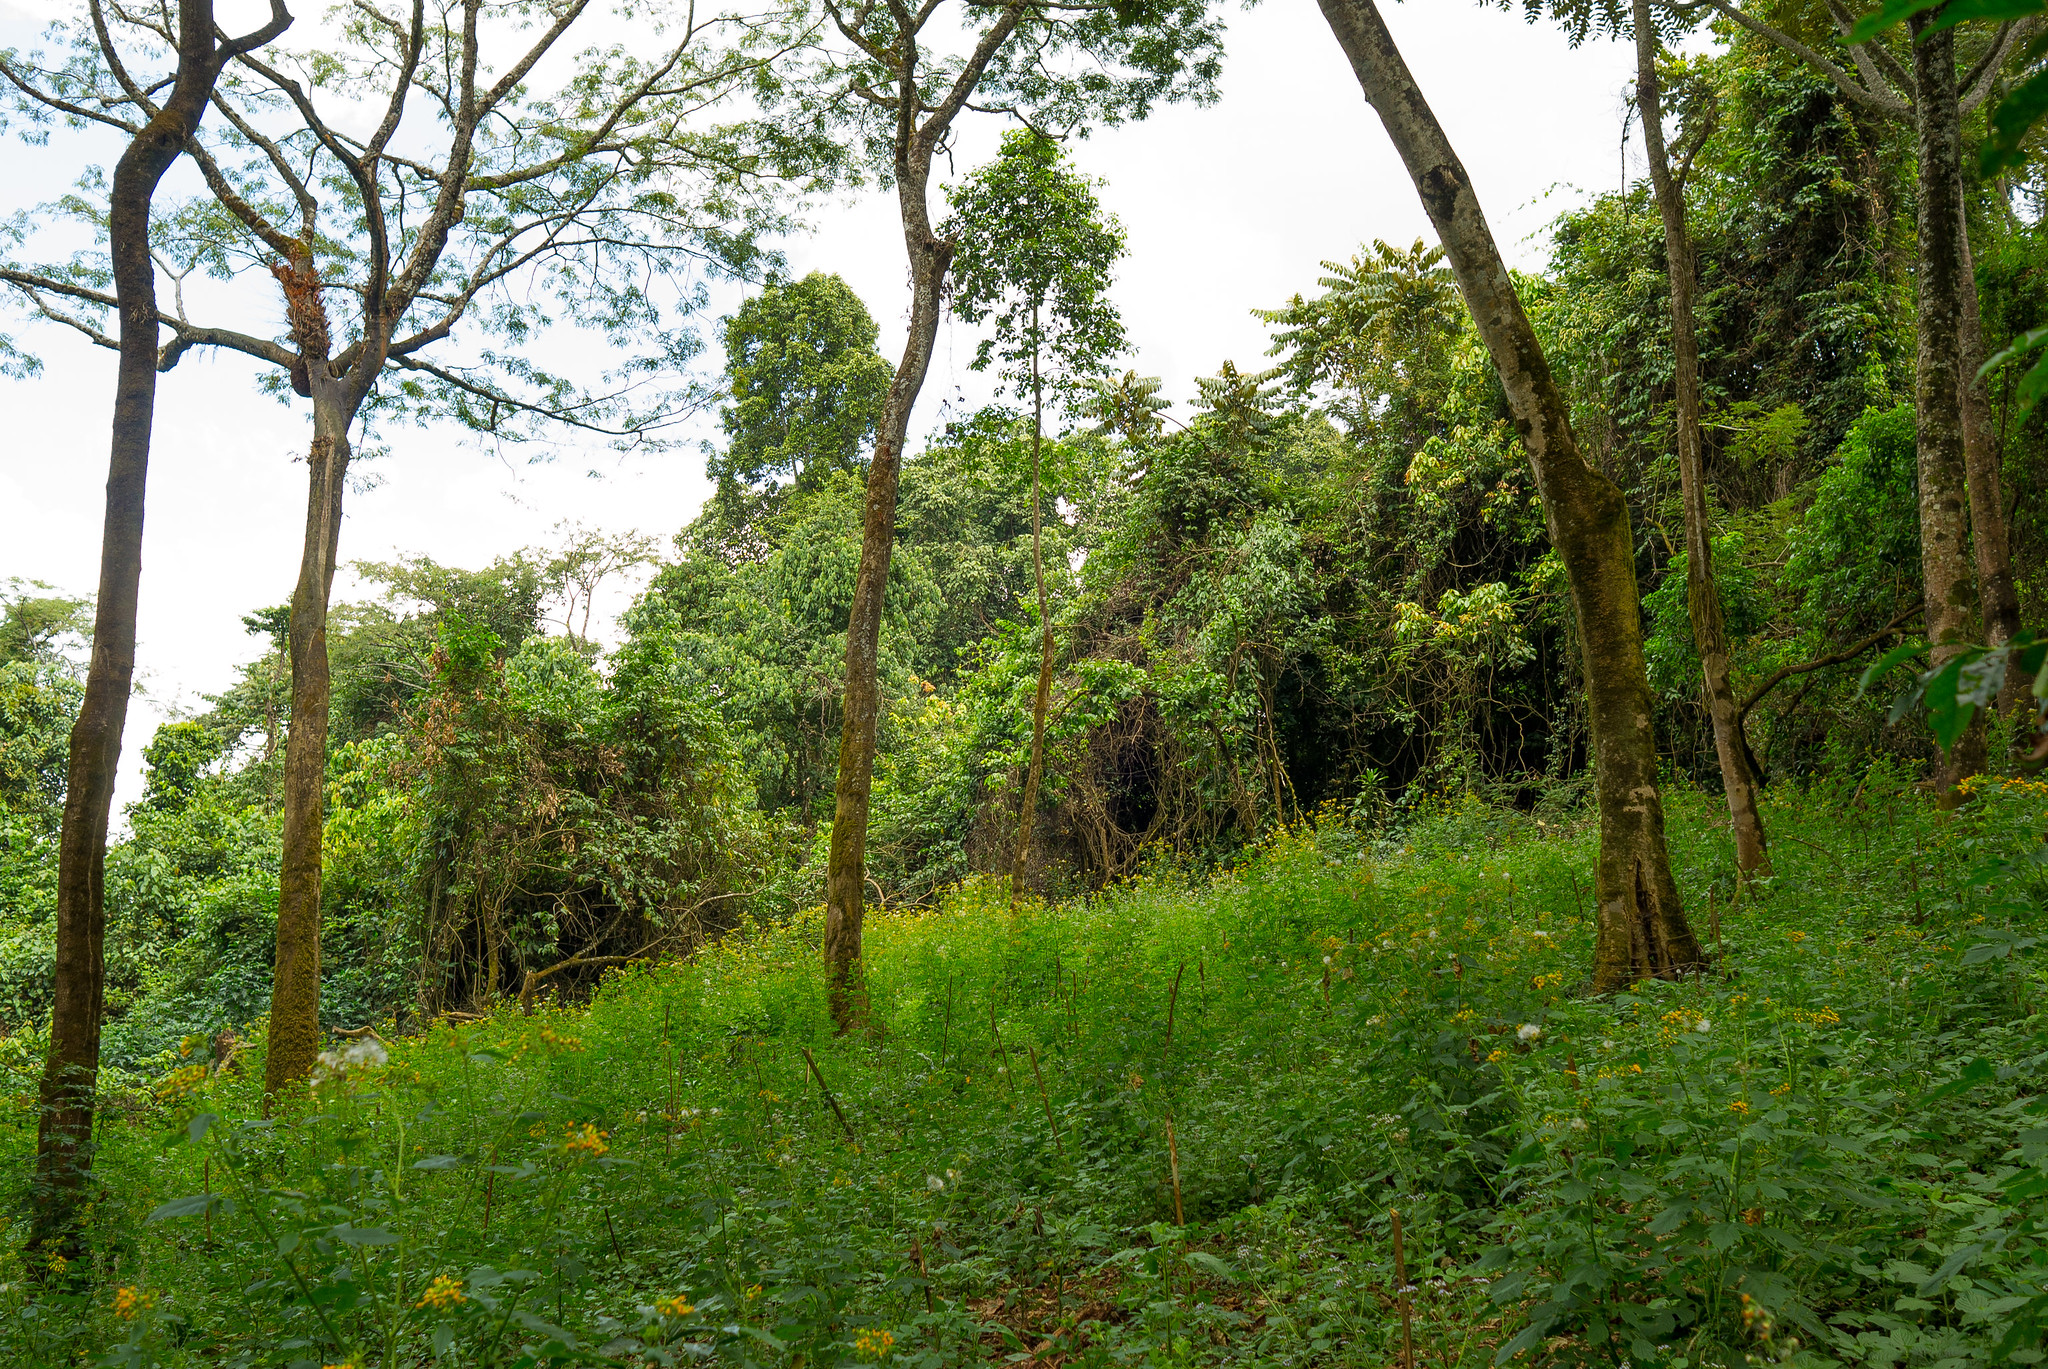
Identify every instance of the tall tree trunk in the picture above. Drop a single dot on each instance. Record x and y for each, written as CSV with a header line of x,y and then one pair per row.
x,y
1642,929
1982,457
64,1151
1702,596
846,859
1938,382
294,1039
1041,700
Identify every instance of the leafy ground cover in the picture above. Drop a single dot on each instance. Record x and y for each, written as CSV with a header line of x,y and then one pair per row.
x,y
1171,1125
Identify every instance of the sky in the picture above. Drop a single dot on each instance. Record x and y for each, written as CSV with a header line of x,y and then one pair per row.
x,y
1228,208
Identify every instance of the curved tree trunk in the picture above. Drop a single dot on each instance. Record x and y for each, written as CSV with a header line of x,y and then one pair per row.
x,y
70,1078
1642,928
1938,383
1034,771
1702,596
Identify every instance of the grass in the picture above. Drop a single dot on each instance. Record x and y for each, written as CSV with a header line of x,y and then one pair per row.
x,y
1169,1126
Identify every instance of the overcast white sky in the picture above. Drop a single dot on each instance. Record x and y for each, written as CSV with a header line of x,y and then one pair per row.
x,y
1228,209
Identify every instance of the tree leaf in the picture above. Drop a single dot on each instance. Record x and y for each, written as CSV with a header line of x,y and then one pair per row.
x,y
364,1235
184,1207
1885,15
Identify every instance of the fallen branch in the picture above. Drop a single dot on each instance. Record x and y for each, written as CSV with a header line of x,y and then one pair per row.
x,y
534,977
834,1102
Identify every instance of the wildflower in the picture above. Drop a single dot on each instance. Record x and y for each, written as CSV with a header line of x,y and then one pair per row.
x,y
1739,1107
677,1306
130,1301
443,1293
1137,1081
934,1183
1578,1124
585,1140
1528,1031
1702,1025
872,1345
363,1053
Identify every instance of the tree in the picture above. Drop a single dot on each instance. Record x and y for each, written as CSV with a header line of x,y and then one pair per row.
x,y
587,558
1048,66
1739,780
1642,930
1034,255
1128,406
472,201
1378,336
805,386
1959,447
196,53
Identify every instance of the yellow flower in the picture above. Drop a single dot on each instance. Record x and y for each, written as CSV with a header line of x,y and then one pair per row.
x,y
586,1140
130,1301
872,1345
1739,1107
442,1294
673,1307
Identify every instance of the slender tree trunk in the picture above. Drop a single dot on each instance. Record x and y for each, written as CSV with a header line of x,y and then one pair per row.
x,y
1702,596
846,860
295,988
294,1040
64,1150
1938,383
1040,701
1642,929
1982,456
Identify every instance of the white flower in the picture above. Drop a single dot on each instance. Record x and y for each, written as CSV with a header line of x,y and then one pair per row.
x,y
1578,1124
934,1182
952,1176
1326,960
1544,935
1528,1031
1702,1025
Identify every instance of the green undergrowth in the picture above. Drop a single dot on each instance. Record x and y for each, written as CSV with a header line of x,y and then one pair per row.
x,y
1170,1125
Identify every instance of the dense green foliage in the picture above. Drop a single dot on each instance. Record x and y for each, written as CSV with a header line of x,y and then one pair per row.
x,y
1312,853
1830,1145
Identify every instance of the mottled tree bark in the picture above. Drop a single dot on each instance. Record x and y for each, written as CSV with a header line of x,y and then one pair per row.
x,y
930,255
1938,382
1990,544
1642,930
294,1039
71,1071
1702,595
846,859
1034,769
294,1032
